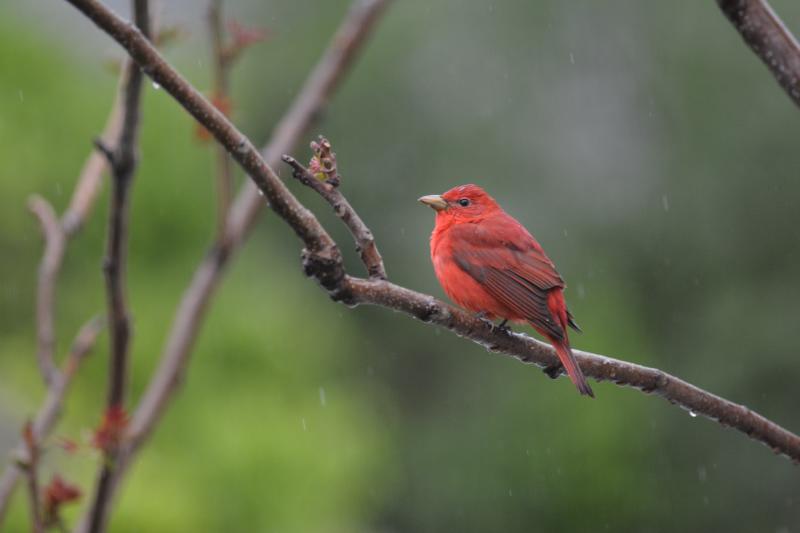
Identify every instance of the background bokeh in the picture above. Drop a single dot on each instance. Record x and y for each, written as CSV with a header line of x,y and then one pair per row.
x,y
647,148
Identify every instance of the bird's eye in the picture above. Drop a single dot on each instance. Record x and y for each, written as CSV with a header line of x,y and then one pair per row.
x,y
464,202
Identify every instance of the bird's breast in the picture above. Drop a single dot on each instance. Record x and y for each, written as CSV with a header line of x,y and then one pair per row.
x,y
461,287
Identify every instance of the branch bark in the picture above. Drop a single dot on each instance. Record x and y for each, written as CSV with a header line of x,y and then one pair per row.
x,y
51,408
768,38
323,263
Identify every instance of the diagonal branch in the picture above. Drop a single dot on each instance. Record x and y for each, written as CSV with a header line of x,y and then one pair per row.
x,y
51,408
322,262
528,350
769,38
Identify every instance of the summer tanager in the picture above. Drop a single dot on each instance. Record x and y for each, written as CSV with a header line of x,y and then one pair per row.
x,y
488,263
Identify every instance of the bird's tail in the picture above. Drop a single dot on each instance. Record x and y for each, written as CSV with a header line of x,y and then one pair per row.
x,y
574,372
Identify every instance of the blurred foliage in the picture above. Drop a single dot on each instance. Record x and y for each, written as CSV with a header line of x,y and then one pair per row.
x,y
650,152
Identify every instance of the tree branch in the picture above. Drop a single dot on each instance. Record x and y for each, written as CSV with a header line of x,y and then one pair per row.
x,y
51,408
528,350
54,244
329,190
304,110
123,161
770,40
322,262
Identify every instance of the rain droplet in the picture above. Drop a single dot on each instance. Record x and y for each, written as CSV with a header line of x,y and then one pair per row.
x,y
260,192
21,96
156,86
665,202
692,414
571,58
323,401
303,421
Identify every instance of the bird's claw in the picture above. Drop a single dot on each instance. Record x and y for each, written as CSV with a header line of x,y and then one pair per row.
x,y
502,327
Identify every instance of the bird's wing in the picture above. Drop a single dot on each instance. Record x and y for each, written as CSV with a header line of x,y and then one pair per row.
x,y
510,264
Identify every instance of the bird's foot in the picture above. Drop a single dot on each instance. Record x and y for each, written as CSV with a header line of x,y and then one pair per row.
x,y
499,328
503,327
553,371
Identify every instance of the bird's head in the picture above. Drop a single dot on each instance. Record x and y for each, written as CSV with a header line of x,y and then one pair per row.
x,y
461,204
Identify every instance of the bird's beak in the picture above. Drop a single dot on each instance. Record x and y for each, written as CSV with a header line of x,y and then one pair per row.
x,y
435,201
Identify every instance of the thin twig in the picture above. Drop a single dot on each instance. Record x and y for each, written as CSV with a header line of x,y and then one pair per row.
x,y
54,244
51,407
323,263
769,38
365,242
123,161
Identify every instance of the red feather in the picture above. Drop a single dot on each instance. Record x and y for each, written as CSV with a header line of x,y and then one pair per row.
x,y
488,263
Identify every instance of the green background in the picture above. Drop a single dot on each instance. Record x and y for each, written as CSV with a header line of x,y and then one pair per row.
x,y
650,152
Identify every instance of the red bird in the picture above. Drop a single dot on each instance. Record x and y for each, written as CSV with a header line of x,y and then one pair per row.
x,y
488,263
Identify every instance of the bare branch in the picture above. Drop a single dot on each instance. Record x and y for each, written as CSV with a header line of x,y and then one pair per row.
x,y
602,368
50,410
365,242
123,163
304,110
322,262
54,244
309,104
312,98
769,38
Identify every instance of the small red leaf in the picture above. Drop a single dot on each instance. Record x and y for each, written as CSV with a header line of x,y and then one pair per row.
x,y
57,493
108,435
